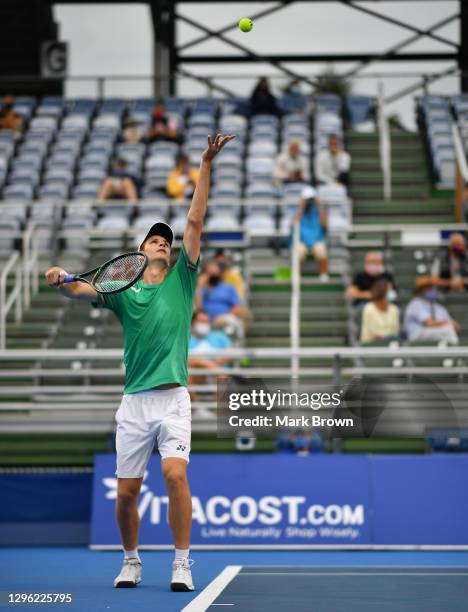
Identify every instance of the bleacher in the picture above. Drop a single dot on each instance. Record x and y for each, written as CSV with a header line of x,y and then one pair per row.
x,y
50,178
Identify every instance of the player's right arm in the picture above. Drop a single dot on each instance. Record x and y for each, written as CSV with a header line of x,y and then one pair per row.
x,y
76,291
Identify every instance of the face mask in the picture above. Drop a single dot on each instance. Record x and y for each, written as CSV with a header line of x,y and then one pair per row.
x,y
201,329
373,269
391,295
459,250
214,280
430,294
223,266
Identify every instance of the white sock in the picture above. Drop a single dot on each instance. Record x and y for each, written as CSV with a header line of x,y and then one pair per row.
x,y
132,554
181,553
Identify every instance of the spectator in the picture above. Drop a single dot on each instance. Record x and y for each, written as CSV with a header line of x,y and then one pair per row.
x,y
162,126
380,319
332,165
425,319
451,271
262,101
230,274
182,180
119,184
9,120
360,289
291,166
132,132
313,223
220,300
205,339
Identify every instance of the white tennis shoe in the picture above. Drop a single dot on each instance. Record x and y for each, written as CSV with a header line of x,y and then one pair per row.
x,y
130,574
182,575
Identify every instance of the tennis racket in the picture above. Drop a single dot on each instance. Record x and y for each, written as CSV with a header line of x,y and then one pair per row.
x,y
115,275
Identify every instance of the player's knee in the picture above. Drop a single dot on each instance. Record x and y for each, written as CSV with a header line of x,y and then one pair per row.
x,y
175,479
126,498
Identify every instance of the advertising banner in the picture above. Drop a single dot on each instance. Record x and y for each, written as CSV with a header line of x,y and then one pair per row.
x,y
245,500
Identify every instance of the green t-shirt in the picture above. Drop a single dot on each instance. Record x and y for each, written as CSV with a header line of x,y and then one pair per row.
x,y
156,322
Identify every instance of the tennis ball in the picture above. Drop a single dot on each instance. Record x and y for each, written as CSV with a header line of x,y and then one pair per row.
x,y
245,24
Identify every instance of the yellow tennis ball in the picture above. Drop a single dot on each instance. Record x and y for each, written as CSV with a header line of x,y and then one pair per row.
x,y
245,24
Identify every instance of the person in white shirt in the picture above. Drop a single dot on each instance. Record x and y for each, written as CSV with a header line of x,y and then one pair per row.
x,y
332,165
291,166
380,318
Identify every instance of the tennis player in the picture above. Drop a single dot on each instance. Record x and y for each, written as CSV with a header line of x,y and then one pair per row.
x,y
155,314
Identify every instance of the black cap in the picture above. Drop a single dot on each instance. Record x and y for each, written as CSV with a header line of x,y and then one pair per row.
x,y
159,229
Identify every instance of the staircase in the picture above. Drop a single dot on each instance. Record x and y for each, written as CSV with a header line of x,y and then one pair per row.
x,y
412,200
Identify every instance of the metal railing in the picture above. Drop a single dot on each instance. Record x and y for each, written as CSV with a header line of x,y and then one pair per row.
x,y
13,265
384,145
30,265
295,309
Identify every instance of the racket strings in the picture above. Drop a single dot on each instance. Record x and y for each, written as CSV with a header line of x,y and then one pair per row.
x,y
119,273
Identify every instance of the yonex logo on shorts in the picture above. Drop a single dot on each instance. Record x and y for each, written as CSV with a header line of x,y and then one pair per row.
x,y
181,447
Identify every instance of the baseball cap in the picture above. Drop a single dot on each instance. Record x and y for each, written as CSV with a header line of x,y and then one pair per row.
x,y
159,229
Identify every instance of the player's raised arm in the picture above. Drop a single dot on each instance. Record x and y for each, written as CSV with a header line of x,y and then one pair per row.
x,y
197,211
77,291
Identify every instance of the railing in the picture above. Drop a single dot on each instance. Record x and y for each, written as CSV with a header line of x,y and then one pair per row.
x,y
461,178
14,299
30,265
295,313
384,145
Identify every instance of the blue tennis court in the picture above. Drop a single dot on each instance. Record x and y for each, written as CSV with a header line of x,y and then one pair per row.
x,y
246,581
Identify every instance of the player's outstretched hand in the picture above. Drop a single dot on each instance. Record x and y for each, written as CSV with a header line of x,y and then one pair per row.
x,y
55,276
215,145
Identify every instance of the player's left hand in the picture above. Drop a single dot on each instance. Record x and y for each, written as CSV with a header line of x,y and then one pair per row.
x,y
215,145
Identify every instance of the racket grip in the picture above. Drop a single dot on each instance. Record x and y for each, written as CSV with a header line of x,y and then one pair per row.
x,y
69,278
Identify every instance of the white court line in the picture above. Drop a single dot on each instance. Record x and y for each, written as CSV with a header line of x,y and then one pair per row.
x,y
203,601
366,574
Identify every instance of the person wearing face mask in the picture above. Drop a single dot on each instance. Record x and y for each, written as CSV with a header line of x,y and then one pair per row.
x,y
182,181
425,319
162,126
205,339
451,271
220,301
262,101
332,165
360,289
380,320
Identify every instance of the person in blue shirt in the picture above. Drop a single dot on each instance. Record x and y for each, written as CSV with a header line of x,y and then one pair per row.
x,y
219,300
425,319
313,224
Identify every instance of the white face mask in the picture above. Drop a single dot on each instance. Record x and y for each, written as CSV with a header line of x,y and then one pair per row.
x,y
201,329
391,295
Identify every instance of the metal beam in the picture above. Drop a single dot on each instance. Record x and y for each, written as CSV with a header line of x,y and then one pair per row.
x,y
390,53
165,56
463,59
255,17
422,83
207,81
253,56
322,57
353,4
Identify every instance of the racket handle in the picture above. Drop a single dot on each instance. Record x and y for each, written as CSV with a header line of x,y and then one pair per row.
x,y
69,278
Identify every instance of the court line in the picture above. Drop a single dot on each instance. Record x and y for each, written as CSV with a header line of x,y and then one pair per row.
x,y
203,601
366,574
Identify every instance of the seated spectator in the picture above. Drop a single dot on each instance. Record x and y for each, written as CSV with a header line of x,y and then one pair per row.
x,y
312,233
9,120
182,180
380,319
119,184
162,126
360,289
332,165
132,133
220,301
451,270
262,101
230,274
291,166
425,319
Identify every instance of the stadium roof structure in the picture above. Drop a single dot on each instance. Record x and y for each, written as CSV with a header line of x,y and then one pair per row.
x,y
172,59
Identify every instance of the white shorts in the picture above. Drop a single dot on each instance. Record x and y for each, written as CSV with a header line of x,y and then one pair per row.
x,y
162,416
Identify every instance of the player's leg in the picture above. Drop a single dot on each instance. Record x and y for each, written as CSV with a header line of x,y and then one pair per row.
x,y
134,444
180,501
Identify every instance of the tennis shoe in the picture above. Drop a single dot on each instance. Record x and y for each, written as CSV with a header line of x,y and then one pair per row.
x,y
130,574
182,575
